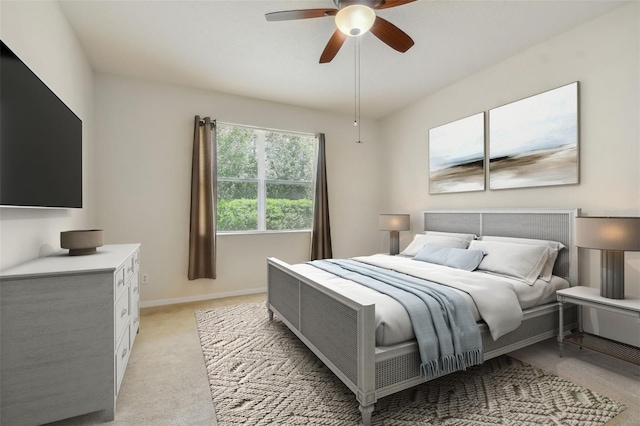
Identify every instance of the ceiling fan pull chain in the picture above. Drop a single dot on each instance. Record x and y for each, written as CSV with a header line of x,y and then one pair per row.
x,y
355,82
357,87
359,91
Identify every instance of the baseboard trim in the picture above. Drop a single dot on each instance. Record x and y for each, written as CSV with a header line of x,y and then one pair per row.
x,y
177,300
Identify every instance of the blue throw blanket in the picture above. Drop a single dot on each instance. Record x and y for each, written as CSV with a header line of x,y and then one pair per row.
x,y
448,336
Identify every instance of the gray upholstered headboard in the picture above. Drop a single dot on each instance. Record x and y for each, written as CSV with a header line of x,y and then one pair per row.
x,y
544,224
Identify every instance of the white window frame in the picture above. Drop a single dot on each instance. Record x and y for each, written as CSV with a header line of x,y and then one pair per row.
x,y
262,181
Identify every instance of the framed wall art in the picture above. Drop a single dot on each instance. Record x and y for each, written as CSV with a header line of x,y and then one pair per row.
x,y
456,156
534,141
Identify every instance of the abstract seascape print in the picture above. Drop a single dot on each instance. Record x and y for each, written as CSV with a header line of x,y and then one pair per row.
x,y
534,141
456,156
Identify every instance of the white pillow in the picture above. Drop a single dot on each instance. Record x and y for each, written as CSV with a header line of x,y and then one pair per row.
x,y
420,240
467,237
554,249
523,262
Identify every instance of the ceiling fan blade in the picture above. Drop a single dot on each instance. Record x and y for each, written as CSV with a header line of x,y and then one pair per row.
x,y
386,4
391,35
287,15
333,46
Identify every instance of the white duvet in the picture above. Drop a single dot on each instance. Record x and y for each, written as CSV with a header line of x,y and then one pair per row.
x,y
496,300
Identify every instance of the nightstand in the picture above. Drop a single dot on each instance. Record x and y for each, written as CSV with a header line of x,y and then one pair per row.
x,y
590,297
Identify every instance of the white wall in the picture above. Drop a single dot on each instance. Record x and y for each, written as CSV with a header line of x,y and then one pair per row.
x,y
40,35
144,141
603,55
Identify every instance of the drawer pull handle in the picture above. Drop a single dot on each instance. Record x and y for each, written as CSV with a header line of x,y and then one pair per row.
x,y
124,353
135,321
135,289
124,312
120,282
130,269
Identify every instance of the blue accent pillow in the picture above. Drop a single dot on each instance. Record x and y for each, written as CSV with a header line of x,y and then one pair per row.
x,y
467,260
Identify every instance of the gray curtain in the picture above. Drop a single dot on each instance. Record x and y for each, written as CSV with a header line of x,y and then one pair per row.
x,y
321,233
204,192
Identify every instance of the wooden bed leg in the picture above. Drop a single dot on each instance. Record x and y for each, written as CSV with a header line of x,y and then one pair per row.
x,y
270,314
366,414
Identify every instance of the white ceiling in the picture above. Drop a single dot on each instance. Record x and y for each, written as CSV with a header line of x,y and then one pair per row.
x,y
228,46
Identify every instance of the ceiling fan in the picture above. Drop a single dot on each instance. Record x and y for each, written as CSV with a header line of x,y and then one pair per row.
x,y
353,18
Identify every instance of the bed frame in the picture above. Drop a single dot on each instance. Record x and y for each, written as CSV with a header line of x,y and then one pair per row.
x,y
341,330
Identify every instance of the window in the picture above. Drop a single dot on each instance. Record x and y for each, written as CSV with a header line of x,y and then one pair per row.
x,y
265,179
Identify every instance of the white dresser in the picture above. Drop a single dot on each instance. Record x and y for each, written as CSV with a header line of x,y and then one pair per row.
x,y
67,326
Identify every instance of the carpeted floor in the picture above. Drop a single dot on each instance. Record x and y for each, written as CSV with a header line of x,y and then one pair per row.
x,y
261,374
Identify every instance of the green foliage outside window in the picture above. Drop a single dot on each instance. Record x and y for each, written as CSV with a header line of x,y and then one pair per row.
x,y
282,214
285,176
237,149
237,215
289,157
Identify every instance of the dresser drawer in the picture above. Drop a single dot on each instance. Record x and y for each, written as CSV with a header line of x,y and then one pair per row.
x,y
136,261
122,315
133,329
122,357
121,283
129,267
135,307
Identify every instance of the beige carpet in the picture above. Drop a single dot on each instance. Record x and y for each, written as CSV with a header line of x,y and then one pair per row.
x,y
261,374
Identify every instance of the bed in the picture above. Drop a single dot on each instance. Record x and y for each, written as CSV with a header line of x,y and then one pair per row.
x,y
341,328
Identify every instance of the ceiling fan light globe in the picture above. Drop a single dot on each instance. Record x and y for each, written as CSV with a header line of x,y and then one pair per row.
x,y
355,20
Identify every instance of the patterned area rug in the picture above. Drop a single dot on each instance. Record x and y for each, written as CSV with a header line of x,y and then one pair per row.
x,y
261,374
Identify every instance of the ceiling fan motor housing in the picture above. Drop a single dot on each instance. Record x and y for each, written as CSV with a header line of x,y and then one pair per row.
x,y
370,3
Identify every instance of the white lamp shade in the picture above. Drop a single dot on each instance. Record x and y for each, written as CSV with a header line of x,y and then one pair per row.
x,y
355,20
608,233
395,222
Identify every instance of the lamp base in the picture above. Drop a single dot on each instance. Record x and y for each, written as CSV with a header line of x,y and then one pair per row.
x,y
394,237
612,274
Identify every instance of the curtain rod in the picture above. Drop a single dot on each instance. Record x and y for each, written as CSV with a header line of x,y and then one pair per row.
x,y
268,129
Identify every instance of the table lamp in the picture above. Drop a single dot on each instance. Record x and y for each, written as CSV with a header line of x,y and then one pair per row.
x,y
394,223
612,236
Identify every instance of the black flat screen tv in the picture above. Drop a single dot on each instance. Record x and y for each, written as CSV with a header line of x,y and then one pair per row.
x,y
40,141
